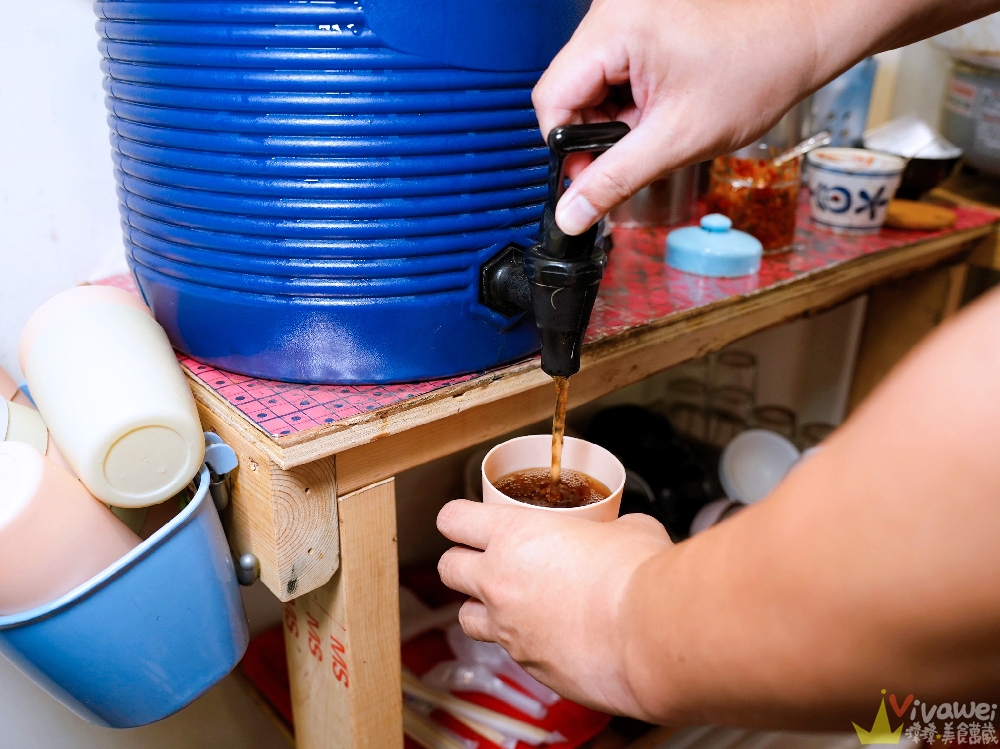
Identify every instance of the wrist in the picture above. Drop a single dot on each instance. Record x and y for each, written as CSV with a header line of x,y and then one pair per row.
x,y
641,622
819,58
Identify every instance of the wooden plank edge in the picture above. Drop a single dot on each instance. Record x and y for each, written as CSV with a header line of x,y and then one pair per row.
x,y
987,253
856,275
342,640
304,447
376,460
233,418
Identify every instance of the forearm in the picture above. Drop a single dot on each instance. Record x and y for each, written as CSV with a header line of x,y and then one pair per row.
x,y
873,566
900,22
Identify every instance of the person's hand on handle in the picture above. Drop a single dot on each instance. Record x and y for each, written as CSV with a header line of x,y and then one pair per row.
x,y
679,73
549,589
696,78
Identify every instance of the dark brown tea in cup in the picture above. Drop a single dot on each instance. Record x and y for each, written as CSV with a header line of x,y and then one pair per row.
x,y
534,486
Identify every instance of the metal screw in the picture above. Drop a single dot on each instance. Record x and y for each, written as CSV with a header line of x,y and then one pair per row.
x,y
248,569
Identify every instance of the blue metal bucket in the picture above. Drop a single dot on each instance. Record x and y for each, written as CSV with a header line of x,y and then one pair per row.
x,y
148,635
308,190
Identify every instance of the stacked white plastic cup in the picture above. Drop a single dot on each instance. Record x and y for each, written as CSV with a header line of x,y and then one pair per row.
x,y
107,384
54,535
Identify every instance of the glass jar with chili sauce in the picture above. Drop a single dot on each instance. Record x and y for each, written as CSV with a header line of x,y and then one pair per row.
x,y
759,197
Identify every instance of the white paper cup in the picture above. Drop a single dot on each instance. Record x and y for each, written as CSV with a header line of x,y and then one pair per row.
x,y
54,536
535,451
113,395
850,188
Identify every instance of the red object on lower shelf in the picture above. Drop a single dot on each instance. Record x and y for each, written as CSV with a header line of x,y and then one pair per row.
x,y
265,666
577,723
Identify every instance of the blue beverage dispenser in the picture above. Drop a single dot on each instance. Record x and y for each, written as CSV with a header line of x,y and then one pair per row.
x,y
309,191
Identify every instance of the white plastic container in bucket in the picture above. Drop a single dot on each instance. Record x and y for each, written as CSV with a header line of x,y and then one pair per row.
x,y
148,635
108,385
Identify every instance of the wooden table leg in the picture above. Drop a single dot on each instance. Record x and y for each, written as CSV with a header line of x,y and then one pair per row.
x,y
900,313
343,638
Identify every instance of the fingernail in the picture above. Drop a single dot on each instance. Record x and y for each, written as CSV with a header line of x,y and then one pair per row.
x,y
576,216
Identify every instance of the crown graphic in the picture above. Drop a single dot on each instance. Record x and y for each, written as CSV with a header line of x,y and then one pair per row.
x,y
881,733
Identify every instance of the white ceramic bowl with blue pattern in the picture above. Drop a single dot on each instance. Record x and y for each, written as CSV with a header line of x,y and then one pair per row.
x,y
850,188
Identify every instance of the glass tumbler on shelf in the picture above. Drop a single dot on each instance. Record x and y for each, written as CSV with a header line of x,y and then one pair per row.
x,y
685,406
721,427
760,198
687,390
689,421
693,369
734,369
736,402
732,395
813,433
776,419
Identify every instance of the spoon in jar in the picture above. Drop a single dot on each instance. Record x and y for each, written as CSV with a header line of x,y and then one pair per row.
x,y
817,141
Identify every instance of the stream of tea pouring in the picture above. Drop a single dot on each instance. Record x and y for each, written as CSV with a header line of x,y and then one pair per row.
x,y
559,428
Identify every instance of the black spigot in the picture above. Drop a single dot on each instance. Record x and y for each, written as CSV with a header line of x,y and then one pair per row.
x,y
557,279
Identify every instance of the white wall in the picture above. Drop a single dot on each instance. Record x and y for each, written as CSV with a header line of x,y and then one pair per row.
x,y
920,87
224,718
911,80
58,213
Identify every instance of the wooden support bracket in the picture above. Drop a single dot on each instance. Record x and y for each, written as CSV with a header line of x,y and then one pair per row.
x,y
900,313
342,639
288,518
987,252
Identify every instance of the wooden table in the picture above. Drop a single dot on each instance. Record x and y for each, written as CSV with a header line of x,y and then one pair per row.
x,y
313,496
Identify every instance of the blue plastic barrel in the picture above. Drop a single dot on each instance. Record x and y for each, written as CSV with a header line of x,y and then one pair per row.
x,y
308,190
147,636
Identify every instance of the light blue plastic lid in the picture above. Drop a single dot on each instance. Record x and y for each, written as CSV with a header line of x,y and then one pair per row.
x,y
714,249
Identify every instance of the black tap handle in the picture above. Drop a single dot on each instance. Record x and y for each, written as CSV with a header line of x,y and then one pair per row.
x,y
567,139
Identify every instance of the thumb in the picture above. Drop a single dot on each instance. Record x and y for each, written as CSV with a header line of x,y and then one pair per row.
x,y
611,179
